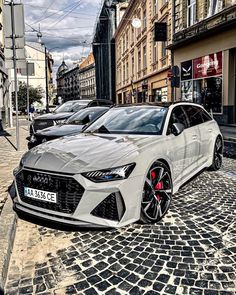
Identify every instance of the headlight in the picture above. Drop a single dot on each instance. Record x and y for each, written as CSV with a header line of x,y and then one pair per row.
x,y
117,173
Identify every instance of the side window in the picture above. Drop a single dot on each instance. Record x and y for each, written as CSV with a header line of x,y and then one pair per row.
x,y
205,116
177,116
194,115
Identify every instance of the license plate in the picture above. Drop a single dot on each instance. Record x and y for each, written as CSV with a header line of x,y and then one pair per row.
x,y
40,195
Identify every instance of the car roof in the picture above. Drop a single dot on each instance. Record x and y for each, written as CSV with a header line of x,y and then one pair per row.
x,y
160,104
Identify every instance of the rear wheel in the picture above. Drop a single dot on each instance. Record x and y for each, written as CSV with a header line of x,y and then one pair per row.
x,y
218,155
157,193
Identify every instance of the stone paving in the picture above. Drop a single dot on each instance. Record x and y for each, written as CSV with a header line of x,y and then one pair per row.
x,y
191,251
9,159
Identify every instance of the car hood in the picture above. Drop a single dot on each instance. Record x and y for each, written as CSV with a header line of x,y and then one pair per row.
x,y
60,130
87,152
55,116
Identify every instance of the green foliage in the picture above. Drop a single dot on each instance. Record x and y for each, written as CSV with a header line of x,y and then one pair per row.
x,y
35,95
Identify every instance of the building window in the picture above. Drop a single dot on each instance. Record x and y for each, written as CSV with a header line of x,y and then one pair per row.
x,y
123,44
144,18
214,6
132,35
154,52
139,59
155,7
191,12
133,64
127,40
127,70
163,49
144,56
123,73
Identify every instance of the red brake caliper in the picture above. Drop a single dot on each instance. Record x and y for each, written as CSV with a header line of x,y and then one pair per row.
x,y
158,186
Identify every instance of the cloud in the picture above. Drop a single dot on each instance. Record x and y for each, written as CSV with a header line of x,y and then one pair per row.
x,y
66,25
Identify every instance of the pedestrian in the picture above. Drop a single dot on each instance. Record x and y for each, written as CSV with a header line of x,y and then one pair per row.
x,y
31,112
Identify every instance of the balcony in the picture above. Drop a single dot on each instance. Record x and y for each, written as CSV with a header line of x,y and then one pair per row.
x,y
217,22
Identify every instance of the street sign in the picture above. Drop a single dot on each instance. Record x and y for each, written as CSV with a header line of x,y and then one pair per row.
x,y
18,19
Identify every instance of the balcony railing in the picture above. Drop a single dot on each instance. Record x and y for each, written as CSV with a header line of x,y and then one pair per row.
x,y
224,18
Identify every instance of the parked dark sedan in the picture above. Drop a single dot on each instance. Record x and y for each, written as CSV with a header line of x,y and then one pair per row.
x,y
63,112
72,125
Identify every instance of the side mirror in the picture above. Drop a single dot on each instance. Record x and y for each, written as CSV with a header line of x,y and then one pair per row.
x,y
177,128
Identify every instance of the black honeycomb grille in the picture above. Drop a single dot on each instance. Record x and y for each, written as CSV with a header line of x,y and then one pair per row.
x,y
69,191
112,208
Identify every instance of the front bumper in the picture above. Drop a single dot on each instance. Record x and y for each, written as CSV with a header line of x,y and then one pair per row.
x,y
94,195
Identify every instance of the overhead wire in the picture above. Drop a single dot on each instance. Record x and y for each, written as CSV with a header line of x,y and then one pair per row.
x,y
68,13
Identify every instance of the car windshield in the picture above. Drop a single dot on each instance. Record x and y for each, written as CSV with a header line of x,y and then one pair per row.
x,y
85,116
72,106
130,120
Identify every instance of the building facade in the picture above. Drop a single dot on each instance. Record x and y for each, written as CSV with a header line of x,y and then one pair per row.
x,y
87,78
104,47
68,83
204,49
142,65
36,59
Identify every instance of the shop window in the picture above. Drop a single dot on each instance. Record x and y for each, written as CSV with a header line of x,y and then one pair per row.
x,y
208,92
191,11
187,90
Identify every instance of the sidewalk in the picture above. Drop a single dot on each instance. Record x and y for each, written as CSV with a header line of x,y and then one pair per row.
x,y
9,159
229,132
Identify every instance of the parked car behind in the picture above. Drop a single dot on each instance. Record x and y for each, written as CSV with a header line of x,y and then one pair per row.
x,y
73,125
63,112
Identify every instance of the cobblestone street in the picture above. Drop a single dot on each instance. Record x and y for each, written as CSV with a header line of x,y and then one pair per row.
x,y
192,251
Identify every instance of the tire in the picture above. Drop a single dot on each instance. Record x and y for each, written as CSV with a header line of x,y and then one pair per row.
x,y
157,193
217,155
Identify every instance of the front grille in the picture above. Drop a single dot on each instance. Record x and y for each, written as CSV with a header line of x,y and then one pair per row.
x,y
69,191
111,208
42,124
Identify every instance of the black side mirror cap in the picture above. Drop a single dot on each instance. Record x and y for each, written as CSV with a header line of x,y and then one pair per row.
x,y
177,128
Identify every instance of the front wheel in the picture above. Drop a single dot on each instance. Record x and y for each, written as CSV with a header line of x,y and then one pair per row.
x,y
218,155
157,193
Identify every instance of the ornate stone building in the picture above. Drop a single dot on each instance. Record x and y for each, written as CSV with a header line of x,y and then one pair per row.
x,y
68,83
204,49
142,64
87,79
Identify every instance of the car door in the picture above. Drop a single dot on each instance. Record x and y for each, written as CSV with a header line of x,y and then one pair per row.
x,y
193,138
206,132
176,145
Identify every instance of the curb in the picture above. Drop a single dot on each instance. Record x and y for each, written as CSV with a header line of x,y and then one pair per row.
x,y
231,139
8,222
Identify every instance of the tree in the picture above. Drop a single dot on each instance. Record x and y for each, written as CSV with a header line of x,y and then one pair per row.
x,y
35,95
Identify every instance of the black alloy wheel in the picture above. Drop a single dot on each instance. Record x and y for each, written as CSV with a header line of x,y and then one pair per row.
x,y
157,193
218,154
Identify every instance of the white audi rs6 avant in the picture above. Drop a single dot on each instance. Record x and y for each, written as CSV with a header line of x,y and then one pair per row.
x,y
124,167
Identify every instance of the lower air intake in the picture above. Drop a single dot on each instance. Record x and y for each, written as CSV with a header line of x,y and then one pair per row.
x,y
112,208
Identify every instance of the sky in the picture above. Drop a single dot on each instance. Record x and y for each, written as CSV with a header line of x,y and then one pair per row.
x,y
67,26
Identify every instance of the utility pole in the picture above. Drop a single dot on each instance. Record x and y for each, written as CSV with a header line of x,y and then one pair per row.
x,y
46,75
27,87
15,74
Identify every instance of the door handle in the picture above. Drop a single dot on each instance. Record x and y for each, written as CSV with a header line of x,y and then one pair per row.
x,y
194,137
210,130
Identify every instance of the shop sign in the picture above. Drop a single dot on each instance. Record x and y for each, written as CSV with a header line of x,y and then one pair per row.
x,y
186,70
207,66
